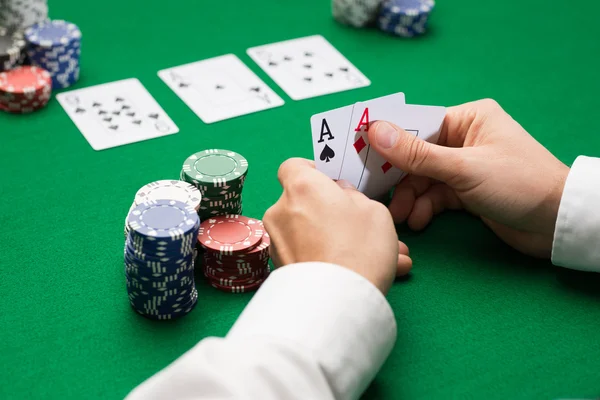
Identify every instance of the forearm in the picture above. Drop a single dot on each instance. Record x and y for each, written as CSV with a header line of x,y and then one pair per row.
x,y
315,331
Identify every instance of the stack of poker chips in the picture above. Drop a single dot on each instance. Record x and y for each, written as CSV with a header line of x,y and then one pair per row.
x,y
12,49
24,89
56,47
159,259
356,13
166,189
21,14
236,253
219,175
405,18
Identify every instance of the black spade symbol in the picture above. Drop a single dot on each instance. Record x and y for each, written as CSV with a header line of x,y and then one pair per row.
x,y
119,99
137,121
116,112
308,79
255,89
344,69
272,64
329,74
184,85
308,54
154,116
102,112
114,127
307,66
96,104
327,154
287,58
125,107
131,114
79,110
107,119
219,87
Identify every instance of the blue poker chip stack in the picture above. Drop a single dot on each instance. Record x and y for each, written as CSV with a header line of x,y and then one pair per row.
x,y
405,18
160,250
56,47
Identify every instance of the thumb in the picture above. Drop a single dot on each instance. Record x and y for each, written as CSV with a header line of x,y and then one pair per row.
x,y
414,155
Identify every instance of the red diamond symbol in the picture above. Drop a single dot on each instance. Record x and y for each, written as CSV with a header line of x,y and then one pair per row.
x,y
386,167
360,144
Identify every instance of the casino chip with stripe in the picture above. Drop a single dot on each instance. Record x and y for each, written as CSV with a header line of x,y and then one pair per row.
x,y
405,18
219,175
167,190
21,14
24,89
236,253
56,47
357,13
159,258
12,49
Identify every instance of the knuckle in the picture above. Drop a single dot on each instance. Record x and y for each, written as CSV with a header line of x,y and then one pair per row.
x,y
490,104
301,185
418,153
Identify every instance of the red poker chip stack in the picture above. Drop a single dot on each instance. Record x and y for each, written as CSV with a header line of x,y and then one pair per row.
x,y
25,89
236,252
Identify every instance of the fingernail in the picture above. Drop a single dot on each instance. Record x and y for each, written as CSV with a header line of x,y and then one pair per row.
x,y
385,135
345,184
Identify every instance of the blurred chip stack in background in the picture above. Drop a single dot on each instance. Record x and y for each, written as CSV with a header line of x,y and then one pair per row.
x,y
403,18
29,39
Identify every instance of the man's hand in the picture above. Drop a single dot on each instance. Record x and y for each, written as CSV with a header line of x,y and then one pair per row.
x,y
486,163
317,219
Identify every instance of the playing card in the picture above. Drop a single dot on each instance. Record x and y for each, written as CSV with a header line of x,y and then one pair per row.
x,y
308,67
220,88
116,113
330,134
366,169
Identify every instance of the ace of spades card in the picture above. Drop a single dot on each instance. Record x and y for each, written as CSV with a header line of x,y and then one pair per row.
x,y
116,113
220,88
330,135
308,67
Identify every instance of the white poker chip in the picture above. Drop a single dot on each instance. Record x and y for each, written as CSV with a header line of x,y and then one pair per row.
x,y
169,190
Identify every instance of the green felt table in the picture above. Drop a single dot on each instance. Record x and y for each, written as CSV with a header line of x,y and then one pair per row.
x,y
476,319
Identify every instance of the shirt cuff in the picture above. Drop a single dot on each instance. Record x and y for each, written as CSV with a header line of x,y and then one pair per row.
x,y
337,315
577,231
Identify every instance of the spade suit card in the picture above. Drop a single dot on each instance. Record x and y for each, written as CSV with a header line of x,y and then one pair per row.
x,y
220,88
330,135
308,67
364,167
116,113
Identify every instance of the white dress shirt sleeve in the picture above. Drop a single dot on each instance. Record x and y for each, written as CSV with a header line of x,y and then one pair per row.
x,y
312,331
576,242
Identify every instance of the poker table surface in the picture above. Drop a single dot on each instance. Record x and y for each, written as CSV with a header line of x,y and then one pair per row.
x,y
476,319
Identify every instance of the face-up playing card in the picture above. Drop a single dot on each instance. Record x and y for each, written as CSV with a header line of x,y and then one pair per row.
x,y
330,135
366,169
116,113
308,67
220,88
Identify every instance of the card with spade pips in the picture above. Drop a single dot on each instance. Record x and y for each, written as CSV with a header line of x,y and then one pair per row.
x,y
116,113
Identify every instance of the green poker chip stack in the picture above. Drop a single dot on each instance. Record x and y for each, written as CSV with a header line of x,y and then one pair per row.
x,y
219,175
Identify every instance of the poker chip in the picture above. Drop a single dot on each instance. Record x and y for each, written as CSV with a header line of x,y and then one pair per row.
x,y
405,18
219,175
24,89
356,13
230,234
159,257
21,14
236,253
12,48
170,190
55,46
